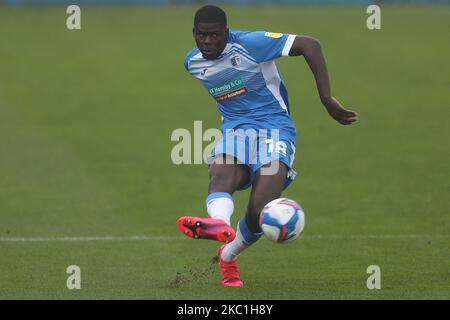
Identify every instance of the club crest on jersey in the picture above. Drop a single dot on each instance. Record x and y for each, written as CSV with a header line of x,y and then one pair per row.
x,y
235,60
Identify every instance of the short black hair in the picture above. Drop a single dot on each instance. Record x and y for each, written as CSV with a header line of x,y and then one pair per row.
x,y
210,14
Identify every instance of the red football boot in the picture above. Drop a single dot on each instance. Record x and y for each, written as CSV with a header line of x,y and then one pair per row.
x,y
206,228
230,271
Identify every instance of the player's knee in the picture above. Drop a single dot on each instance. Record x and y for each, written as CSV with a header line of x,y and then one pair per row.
x,y
218,172
222,177
228,174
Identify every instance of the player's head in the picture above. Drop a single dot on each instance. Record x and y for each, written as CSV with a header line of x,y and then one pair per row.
x,y
210,31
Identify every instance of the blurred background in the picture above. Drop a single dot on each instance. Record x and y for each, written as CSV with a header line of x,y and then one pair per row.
x,y
86,118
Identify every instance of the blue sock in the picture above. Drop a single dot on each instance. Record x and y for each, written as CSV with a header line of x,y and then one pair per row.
x,y
244,239
248,236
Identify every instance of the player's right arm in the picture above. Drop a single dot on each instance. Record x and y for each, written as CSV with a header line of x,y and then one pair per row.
x,y
311,49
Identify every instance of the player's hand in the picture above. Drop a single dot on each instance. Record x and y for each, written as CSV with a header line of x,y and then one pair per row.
x,y
338,112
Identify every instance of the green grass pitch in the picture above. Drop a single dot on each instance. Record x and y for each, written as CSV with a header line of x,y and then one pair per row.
x,y
85,124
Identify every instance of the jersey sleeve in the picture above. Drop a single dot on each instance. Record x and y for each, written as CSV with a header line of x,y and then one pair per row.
x,y
267,46
188,57
186,63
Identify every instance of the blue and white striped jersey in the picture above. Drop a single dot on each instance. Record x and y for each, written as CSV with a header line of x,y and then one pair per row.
x,y
245,81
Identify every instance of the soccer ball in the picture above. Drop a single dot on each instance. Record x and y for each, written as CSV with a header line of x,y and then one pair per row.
x,y
282,220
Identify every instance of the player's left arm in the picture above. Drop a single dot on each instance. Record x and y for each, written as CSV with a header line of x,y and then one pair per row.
x,y
310,48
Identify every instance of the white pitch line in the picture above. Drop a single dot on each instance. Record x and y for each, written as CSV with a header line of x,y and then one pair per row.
x,y
104,238
402,236
174,238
